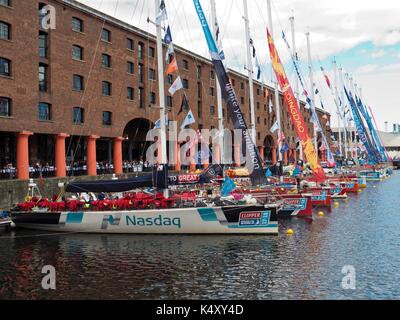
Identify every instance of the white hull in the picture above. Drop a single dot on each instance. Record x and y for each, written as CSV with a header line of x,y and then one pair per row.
x,y
226,220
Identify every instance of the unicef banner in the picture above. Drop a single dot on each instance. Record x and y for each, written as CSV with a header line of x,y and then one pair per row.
x,y
254,162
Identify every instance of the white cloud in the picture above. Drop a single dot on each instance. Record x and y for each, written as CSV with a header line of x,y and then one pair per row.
x,y
378,54
366,69
389,38
335,25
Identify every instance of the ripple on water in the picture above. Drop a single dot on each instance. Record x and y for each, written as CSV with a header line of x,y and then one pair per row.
x,y
362,232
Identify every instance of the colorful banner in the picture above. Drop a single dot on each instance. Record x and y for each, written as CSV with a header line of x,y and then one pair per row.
x,y
317,125
253,161
387,157
360,128
378,147
297,118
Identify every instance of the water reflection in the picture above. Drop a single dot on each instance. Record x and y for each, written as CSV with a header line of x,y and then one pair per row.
x,y
362,232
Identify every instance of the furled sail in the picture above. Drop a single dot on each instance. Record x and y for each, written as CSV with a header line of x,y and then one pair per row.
x,y
253,159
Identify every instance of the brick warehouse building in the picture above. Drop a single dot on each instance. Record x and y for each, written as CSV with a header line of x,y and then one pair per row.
x,y
88,90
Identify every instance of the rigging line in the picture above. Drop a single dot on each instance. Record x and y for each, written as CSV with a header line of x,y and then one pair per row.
x,y
225,23
141,12
204,92
83,97
134,11
85,90
174,117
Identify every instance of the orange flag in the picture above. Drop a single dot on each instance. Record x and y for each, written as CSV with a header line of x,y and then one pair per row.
x,y
172,67
294,110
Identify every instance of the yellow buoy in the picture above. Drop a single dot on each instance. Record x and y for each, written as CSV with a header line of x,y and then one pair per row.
x,y
336,204
359,190
321,214
289,231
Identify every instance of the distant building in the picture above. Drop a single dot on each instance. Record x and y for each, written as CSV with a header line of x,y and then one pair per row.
x,y
390,140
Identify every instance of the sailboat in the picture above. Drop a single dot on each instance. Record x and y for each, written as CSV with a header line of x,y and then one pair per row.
x,y
138,212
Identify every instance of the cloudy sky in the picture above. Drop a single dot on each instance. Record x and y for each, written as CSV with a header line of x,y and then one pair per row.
x,y
362,35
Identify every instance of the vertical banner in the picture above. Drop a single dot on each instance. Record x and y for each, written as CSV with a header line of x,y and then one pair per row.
x,y
294,110
361,128
375,139
253,159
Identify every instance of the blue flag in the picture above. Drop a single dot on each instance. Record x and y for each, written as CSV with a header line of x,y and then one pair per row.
x,y
284,148
168,36
227,187
268,173
296,171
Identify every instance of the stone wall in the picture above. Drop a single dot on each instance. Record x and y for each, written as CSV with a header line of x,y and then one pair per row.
x,y
15,191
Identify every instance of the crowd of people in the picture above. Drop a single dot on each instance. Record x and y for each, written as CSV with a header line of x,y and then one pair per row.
x,y
77,168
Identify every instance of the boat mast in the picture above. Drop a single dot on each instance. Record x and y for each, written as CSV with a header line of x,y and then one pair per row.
x,y
276,91
296,80
350,86
341,80
161,91
338,111
219,93
311,83
250,72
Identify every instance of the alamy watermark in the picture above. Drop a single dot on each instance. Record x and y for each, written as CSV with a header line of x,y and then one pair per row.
x,y
211,146
349,280
49,280
47,17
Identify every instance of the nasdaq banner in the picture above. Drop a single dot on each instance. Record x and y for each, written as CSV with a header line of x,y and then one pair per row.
x,y
253,159
294,110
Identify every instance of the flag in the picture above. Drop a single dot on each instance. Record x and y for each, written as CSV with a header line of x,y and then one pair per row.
x,y
326,78
162,16
228,186
268,173
188,120
258,67
275,127
157,124
184,104
168,36
270,106
219,42
177,85
296,171
169,52
285,148
281,138
203,153
172,67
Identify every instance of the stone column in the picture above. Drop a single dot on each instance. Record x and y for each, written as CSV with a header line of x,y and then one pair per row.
x,y
118,155
23,155
261,150
178,157
60,159
91,155
273,152
237,153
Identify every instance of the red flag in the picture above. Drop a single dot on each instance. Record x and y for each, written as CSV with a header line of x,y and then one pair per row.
x,y
172,67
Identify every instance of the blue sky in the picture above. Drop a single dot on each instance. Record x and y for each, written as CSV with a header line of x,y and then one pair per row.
x,y
363,35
